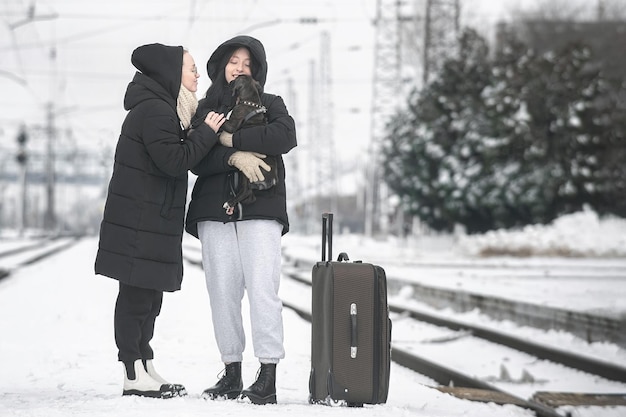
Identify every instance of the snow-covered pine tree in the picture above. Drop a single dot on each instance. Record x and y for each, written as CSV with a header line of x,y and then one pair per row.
x,y
432,152
576,125
516,140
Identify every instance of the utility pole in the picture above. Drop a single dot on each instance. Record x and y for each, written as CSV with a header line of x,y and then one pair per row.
x,y
385,100
312,187
49,215
22,160
49,219
293,165
440,34
320,143
392,55
326,165
600,11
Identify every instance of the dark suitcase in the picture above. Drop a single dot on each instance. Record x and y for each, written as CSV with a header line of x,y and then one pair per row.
x,y
351,330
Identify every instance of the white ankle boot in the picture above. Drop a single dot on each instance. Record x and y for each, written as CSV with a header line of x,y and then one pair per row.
x,y
180,389
153,373
146,386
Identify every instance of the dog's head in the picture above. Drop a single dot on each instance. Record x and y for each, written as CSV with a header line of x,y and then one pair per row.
x,y
246,88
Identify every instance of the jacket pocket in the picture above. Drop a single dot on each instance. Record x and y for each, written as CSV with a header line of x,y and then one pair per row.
x,y
168,198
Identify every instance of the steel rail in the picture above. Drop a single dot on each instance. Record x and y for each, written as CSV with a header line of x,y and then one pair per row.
x,y
39,255
593,366
446,376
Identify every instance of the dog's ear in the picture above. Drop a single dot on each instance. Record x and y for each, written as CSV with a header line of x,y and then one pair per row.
x,y
236,85
258,86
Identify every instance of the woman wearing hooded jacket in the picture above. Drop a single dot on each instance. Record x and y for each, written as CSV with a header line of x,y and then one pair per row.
x,y
141,231
241,250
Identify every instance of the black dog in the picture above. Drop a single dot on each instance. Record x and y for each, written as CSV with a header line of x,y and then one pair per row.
x,y
248,111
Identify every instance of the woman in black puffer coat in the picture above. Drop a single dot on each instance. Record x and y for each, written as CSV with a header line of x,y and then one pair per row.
x,y
141,232
241,251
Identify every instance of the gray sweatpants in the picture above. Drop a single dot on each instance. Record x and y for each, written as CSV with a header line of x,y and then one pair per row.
x,y
238,257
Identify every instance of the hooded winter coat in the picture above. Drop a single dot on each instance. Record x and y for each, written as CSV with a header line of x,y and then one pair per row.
x,y
141,231
215,182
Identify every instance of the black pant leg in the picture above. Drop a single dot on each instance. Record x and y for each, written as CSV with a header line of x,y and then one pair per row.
x,y
133,309
147,330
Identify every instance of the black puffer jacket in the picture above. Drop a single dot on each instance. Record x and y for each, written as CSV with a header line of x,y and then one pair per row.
x,y
214,184
141,232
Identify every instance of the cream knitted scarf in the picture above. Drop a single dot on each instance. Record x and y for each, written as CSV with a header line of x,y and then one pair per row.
x,y
186,106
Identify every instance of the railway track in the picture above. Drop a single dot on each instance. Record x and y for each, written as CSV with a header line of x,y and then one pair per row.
x,y
463,384
28,253
570,359
465,285
476,384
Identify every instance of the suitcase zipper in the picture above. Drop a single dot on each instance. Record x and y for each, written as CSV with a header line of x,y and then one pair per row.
x,y
377,338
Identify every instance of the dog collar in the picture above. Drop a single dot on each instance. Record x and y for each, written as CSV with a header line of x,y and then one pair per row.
x,y
249,103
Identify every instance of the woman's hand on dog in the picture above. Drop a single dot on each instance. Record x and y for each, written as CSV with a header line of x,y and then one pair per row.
x,y
214,120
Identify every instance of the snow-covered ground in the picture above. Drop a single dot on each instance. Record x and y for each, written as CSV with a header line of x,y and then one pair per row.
x,y
581,234
587,275
58,356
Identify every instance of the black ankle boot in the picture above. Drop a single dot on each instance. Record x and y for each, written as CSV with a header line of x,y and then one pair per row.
x,y
263,391
229,386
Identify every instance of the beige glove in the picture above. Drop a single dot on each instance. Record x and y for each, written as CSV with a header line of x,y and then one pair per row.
x,y
226,139
250,164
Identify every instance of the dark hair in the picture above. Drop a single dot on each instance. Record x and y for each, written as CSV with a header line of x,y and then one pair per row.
x,y
218,94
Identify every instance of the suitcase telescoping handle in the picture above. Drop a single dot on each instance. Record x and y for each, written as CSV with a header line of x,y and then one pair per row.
x,y
327,240
327,236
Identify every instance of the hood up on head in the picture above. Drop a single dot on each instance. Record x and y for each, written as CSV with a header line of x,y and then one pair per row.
x,y
217,61
162,63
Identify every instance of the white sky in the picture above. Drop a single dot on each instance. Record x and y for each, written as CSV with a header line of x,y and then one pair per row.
x,y
94,41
